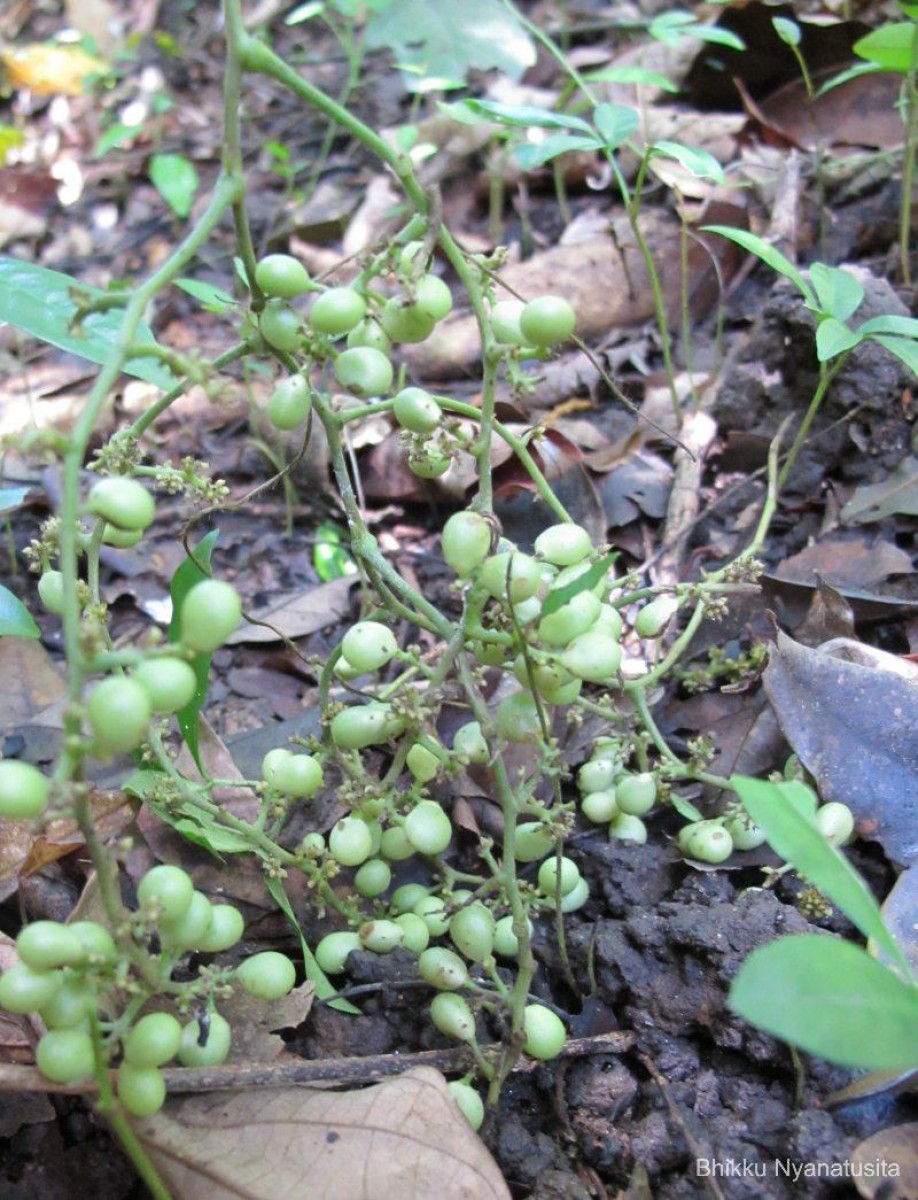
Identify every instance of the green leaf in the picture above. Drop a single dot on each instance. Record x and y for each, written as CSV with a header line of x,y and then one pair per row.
x,y
701,164
615,122
330,557
834,338
838,291
636,75
846,77
175,178
781,810
193,823
324,987
212,298
669,27
891,47
904,349
830,998
523,116
583,583
767,253
906,327
531,155
445,41
187,574
11,498
41,302
15,618
788,31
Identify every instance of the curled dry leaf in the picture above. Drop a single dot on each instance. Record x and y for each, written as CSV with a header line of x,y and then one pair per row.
x,y
853,727
404,1138
894,1149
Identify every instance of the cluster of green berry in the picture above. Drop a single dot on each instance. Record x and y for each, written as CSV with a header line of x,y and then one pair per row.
x,y
74,977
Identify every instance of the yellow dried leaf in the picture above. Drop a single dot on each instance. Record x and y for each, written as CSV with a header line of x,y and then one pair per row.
x,y
48,69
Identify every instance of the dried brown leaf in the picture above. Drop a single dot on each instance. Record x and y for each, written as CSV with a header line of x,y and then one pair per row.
x,y
301,614
404,1138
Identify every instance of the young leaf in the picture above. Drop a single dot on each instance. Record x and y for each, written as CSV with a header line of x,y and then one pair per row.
x,y
788,31
15,618
523,116
767,253
701,164
175,178
830,998
781,810
906,327
834,338
636,75
531,155
210,297
892,47
669,27
589,579
314,973
905,349
330,557
838,291
41,302
615,122
187,574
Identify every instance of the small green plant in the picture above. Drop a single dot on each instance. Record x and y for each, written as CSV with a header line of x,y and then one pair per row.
x,y
849,1005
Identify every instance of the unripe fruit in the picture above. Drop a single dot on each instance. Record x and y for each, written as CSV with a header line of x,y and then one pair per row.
x,y
432,911
550,871
170,683
626,828
367,725
281,275
516,718
405,322
297,775
510,576
533,841
394,844
290,403
416,410
609,621
226,929
469,744
593,656
544,1030
281,326
472,931
706,841
142,1090
506,943
655,616
415,933
597,775
433,296
369,645
369,333
453,1017
153,1040
599,807
469,1101
405,897
212,1050
51,591
443,969
337,311
24,791
210,612
559,628
576,897
122,538
267,976
745,833
350,842
836,822
564,545
428,828
97,942
636,794
66,1055
23,990
505,322
363,371
332,950
119,712
167,891
121,502
192,928
43,945
422,763
373,878
69,1007
428,463
381,937
546,320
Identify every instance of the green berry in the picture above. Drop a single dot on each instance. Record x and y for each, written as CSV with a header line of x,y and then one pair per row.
x,y
350,842
415,934
545,1034
210,612
227,926
593,656
655,616
452,1016
472,931
66,1056
428,828
153,1040
267,976
469,1101
563,545
366,725
546,320
369,645
381,937
170,683
443,969
363,371
636,794
167,891
281,275
836,822
416,410
466,542
281,326
333,949
24,791
550,871
43,945
119,712
24,990
210,1050
337,311
51,591
122,502
290,403
142,1090
626,828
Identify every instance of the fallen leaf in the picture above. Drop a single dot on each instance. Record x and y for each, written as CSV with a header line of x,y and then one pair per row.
x,y
845,560
640,485
31,681
50,70
853,728
253,1022
897,493
404,1138
900,910
299,615
896,1147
